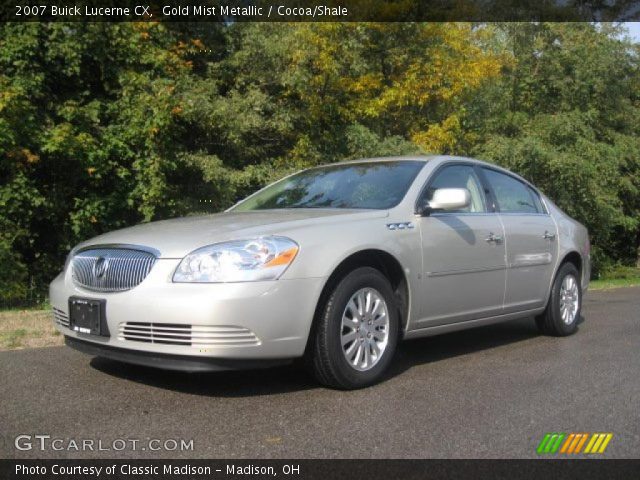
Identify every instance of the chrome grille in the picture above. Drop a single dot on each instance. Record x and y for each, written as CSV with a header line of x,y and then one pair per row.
x,y
111,269
189,335
60,317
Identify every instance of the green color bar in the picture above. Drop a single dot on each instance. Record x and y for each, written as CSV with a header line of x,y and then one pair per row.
x,y
543,443
550,443
555,447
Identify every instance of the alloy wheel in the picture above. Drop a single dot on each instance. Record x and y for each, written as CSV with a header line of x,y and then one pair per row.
x,y
365,329
569,299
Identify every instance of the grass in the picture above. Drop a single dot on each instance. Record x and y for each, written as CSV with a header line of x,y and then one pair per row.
x,y
27,329
617,276
606,284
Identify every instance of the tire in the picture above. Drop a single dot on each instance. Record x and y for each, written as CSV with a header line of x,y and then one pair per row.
x,y
551,322
340,318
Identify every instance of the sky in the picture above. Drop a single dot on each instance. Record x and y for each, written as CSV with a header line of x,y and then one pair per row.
x,y
634,30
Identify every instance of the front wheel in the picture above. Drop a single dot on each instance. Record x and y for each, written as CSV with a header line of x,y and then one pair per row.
x,y
565,301
357,331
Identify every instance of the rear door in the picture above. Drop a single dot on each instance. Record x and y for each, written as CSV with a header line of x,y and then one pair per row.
x,y
463,254
531,241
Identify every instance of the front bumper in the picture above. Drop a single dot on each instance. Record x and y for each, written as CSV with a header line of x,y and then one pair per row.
x,y
183,363
278,314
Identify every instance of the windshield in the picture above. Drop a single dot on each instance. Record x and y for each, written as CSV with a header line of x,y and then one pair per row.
x,y
373,185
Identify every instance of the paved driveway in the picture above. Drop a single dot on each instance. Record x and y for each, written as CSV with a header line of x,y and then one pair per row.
x,y
489,392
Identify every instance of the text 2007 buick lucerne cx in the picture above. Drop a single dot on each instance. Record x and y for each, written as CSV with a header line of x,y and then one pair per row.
x,y
335,264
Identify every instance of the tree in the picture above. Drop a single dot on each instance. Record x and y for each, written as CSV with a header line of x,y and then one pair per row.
x,y
88,123
107,125
565,115
304,94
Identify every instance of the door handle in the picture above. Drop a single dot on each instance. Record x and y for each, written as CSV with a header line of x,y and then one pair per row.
x,y
492,238
548,236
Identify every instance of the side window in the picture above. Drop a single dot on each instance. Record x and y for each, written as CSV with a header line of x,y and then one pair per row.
x,y
459,176
511,194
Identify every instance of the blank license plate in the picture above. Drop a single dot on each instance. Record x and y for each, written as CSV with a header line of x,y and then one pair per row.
x,y
86,315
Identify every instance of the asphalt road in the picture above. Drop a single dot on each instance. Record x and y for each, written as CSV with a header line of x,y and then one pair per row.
x,y
490,392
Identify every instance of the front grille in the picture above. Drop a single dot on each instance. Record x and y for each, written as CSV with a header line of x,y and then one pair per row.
x,y
60,317
111,269
189,335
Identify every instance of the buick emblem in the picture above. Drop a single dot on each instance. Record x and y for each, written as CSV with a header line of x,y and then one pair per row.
x,y
100,267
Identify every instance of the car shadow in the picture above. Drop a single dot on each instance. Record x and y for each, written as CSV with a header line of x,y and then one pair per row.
x,y
293,378
229,383
465,342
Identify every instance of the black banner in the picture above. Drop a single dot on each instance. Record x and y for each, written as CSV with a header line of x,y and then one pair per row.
x,y
319,469
230,11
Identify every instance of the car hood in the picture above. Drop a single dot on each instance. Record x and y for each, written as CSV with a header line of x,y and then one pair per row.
x,y
177,237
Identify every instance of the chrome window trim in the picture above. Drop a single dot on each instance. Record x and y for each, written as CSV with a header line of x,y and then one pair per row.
x,y
523,214
461,214
544,203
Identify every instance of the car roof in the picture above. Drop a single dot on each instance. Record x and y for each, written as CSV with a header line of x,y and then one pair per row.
x,y
416,158
431,158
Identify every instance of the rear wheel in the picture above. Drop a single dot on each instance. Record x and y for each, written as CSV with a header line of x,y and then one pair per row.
x,y
357,331
565,301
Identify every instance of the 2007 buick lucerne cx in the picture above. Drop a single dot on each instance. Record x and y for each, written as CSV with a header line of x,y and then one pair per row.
x,y
334,264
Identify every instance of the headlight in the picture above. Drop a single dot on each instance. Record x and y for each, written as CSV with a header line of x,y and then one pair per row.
x,y
263,258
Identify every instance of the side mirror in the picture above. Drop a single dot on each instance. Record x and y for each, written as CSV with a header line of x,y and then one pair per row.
x,y
448,199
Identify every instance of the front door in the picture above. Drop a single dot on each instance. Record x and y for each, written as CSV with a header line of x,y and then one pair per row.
x,y
463,274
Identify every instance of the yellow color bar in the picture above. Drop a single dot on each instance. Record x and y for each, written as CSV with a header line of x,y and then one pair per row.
x,y
598,442
605,442
594,437
596,445
601,443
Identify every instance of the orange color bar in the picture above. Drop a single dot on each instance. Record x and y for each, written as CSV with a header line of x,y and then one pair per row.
x,y
567,442
574,443
581,443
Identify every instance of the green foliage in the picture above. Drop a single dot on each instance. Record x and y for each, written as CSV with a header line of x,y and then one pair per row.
x,y
88,131
13,275
566,116
107,125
